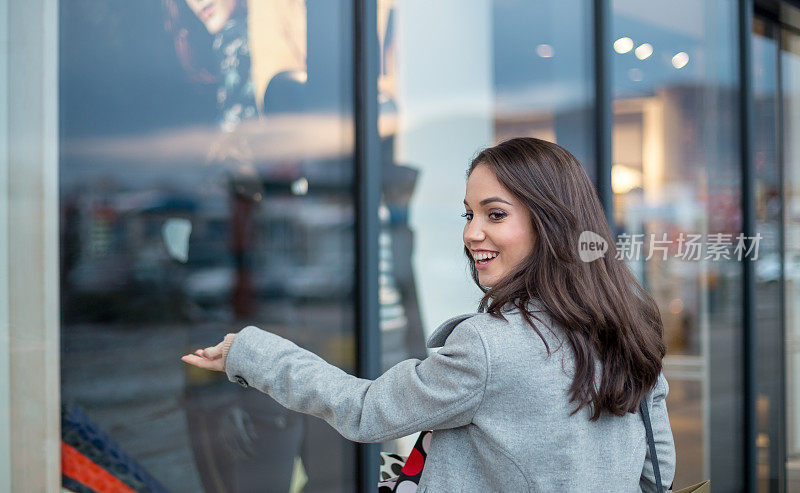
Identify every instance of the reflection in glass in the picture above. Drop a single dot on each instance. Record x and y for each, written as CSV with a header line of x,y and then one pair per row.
x,y
790,150
768,274
206,184
452,81
675,173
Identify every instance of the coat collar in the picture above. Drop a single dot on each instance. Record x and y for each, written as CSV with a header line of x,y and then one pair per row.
x,y
439,336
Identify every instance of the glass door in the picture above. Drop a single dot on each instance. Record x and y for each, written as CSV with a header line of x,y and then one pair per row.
x,y
676,187
768,321
789,129
776,160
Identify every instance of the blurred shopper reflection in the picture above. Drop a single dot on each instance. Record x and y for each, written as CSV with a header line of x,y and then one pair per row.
x,y
210,186
251,190
260,439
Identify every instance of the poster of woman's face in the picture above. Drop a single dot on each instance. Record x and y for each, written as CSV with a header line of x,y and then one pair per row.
x,y
212,13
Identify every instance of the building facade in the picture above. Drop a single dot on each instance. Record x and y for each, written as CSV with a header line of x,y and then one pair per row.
x,y
174,170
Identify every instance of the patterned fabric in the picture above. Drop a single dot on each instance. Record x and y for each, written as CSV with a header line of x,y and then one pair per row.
x,y
235,96
92,462
391,465
78,468
402,474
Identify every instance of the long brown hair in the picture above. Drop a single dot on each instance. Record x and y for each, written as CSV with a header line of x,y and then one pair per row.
x,y
606,315
177,19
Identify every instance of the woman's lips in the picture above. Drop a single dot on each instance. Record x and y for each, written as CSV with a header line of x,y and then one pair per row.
x,y
486,264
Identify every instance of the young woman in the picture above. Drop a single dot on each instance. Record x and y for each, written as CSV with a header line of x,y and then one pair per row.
x,y
537,391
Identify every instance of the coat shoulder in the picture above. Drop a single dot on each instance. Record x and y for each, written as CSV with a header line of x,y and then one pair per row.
x,y
443,331
440,334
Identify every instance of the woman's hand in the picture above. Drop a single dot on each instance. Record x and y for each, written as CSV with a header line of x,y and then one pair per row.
x,y
209,358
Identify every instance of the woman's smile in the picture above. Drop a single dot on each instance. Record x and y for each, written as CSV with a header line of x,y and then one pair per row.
x,y
483,258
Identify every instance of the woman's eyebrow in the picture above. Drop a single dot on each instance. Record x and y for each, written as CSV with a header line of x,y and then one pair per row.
x,y
490,199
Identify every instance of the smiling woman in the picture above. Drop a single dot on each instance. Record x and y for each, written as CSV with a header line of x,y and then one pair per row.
x,y
498,233
533,200
527,201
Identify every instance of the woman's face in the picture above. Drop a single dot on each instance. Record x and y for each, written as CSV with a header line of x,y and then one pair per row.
x,y
498,226
213,13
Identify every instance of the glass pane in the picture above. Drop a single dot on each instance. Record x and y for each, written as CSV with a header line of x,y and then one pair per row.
x,y
790,105
454,80
768,275
675,177
206,184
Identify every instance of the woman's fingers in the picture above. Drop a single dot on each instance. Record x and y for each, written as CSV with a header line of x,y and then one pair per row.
x,y
208,358
213,352
209,353
201,362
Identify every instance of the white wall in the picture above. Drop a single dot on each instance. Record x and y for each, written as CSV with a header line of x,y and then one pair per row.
x,y
29,304
445,109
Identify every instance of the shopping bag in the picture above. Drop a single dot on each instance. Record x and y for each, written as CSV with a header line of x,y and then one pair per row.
x,y
399,471
704,487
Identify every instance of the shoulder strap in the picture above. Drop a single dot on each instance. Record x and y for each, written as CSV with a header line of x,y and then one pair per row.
x,y
651,443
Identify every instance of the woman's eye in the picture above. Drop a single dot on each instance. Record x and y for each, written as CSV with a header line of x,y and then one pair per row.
x,y
495,216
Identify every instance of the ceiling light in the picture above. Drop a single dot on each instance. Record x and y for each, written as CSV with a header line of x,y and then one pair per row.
x,y
545,51
623,45
680,59
643,51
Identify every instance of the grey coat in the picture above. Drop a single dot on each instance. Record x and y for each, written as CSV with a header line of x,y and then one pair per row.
x,y
497,403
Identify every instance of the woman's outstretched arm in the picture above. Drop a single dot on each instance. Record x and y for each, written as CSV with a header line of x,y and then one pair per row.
x,y
442,391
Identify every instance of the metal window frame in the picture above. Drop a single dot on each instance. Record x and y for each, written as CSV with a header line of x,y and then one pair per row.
x,y
749,337
603,114
368,196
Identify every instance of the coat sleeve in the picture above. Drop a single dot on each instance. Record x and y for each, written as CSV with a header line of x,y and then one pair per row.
x,y
662,436
442,391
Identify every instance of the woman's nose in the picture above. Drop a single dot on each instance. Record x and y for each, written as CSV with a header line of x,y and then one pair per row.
x,y
473,232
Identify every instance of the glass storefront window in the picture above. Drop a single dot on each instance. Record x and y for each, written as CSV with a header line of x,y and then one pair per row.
x,y
776,51
206,166
675,173
187,168
768,267
790,150
454,80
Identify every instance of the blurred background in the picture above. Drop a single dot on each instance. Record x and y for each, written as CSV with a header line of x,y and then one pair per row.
x,y
205,178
